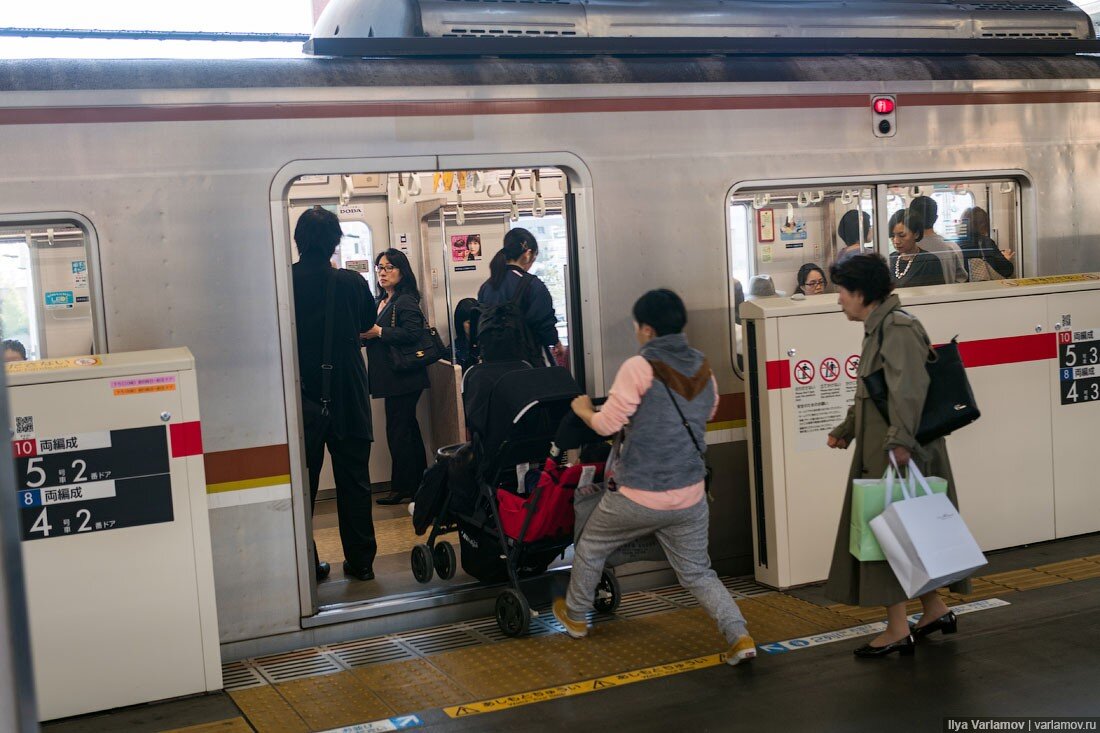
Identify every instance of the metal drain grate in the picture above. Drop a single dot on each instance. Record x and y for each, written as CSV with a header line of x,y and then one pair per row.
x,y
745,587
634,605
240,676
296,665
679,596
369,651
440,639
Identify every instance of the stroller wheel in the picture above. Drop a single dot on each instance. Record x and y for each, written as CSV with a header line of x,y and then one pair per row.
x,y
422,563
513,613
444,557
608,593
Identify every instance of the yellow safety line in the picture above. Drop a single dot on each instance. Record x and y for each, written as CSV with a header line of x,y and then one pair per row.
x,y
252,483
584,687
728,425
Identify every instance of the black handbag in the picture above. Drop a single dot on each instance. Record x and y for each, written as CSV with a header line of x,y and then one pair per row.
x,y
427,349
316,415
949,404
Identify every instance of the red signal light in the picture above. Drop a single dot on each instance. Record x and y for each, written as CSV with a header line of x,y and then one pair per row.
x,y
884,105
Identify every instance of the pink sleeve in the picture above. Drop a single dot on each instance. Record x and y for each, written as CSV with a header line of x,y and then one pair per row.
x,y
634,379
717,397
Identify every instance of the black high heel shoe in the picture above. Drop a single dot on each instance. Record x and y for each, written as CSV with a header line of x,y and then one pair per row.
x,y
947,623
904,647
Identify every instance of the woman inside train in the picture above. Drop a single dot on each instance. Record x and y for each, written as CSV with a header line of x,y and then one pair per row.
x,y
983,260
811,280
465,326
895,342
911,265
854,230
400,321
508,270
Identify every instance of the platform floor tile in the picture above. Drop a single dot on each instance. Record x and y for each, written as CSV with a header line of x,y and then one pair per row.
x,y
411,686
268,711
333,701
1028,579
1082,569
230,725
827,620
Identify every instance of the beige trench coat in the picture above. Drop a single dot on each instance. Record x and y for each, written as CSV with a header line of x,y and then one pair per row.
x,y
903,353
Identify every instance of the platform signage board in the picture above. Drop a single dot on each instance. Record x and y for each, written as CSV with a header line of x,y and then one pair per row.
x,y
91,482
1079,366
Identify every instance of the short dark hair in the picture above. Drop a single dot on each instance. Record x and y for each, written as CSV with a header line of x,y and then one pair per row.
x,y
318,232
867,274
926,208
16,346
849,227
662,310
912,221
408,284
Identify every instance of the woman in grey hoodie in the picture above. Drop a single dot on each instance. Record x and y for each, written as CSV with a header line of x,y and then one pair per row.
x,y
662,399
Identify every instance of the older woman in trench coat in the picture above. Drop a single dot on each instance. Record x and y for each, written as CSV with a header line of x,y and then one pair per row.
x,y
896,342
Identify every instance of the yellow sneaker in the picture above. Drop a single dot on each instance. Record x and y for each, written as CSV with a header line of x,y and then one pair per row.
x,y
576,629
744,649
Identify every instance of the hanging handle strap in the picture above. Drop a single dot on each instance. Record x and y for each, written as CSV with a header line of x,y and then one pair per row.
x,y
326,347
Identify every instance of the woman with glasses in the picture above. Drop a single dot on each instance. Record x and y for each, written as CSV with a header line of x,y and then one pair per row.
x,y
400,321
811,280
910,265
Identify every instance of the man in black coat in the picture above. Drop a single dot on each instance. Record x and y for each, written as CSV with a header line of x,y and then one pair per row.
x,y
337,416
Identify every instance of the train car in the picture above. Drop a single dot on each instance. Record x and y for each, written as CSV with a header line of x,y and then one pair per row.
x,y
148,203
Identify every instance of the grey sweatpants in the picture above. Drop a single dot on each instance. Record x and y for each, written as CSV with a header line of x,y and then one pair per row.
x,y
683,536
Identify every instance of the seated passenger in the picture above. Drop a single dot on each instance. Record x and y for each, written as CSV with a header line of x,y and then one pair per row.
x,y
854,230
14,351
811,280
980,252
663,398
465,327
954,269
912,266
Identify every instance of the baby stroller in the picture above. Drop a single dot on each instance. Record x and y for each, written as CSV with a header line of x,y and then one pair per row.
x,y
520,519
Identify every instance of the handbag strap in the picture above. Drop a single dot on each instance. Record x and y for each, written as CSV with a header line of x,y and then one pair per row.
x,y
326,347
683,420
524,283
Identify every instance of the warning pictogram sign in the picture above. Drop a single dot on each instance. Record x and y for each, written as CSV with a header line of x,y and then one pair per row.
x,y
851,366
804,372
830,369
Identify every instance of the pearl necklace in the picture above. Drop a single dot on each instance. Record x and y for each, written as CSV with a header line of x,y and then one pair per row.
x,y
897,267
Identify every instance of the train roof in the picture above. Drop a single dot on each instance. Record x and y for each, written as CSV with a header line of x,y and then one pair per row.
x,y
107,74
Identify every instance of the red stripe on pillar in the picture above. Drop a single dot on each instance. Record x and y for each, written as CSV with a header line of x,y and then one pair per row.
x,y
1011,350
186,439
779,374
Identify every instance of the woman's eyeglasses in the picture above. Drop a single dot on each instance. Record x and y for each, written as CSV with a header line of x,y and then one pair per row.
x,y
815,284
384,268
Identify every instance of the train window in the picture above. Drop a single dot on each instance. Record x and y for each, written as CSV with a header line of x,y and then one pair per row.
x,y
974,226
552,266
777,231
45,291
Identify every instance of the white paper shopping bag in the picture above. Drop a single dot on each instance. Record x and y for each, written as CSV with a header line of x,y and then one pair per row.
x,y
924,539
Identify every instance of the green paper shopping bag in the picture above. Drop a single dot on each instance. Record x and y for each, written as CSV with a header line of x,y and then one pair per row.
x,y
869,501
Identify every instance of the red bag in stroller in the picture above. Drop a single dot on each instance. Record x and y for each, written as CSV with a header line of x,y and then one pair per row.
x,y
553,514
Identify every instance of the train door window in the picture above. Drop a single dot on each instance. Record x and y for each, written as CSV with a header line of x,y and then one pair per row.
x,y
552,265
979,218
45,291
776,231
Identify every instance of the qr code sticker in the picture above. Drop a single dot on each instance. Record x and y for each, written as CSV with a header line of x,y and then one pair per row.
x,y
24,425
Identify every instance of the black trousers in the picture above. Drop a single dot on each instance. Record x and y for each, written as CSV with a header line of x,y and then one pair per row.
x,y
406,445
351,469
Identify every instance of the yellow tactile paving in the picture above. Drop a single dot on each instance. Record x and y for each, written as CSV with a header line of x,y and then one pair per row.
x,y
268,711
394,536
768,624
333,701
230,725
1073,569
411,686
1025,579
826,619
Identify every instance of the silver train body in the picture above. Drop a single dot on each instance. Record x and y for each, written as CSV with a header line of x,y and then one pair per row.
x,y
180,170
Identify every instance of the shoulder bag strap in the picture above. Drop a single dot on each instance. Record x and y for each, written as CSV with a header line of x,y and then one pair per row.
x,y
683,420
326,348
524,283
